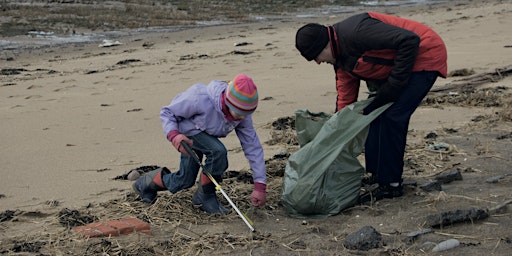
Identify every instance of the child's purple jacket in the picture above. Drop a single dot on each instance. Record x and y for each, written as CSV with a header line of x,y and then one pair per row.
x,y
198,109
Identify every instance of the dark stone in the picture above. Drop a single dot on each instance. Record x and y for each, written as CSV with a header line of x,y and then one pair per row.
x,y
431,135
364,239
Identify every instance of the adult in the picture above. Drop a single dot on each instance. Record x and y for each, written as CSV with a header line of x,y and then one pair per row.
x,y
400,60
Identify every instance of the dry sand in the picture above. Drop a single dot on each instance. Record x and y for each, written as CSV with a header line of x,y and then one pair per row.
x,y
75,119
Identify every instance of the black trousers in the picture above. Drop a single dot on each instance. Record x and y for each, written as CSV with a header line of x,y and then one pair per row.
x,y
387,136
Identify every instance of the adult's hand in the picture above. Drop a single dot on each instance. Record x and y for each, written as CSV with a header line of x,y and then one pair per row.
x,y
387,93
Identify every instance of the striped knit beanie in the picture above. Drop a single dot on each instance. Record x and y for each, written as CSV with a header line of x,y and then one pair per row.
x,y
242,95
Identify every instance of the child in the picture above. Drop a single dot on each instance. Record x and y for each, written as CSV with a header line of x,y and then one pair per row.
x,y
200,116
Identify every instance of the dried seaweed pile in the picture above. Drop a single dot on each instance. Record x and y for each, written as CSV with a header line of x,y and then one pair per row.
x,y
180,229
174,222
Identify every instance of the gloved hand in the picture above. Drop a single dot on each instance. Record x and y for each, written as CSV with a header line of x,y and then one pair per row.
x,y
386,93
176,142
259,194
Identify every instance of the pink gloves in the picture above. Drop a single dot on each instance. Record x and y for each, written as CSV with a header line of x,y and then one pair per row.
x,y
176,142
259,194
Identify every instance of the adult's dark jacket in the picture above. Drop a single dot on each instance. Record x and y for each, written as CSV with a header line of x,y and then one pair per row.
x,y
382,49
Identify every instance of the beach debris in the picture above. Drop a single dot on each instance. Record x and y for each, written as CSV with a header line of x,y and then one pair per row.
x,y
241,52
113,228
500,208
439,147
127,61
496,179
132,174
23,246
73,218
431,135
446,245
412,236
11,71
243,177
432,185
148,44
52,203
91,72
191,56
364,239
452,217
109,43
505,136
6,216
462,72
448,177
242,44
467,83
134,110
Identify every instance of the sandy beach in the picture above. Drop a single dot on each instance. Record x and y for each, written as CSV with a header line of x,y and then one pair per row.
x,y
77,116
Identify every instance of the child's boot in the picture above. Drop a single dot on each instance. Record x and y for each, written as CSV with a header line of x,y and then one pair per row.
x,y
149,184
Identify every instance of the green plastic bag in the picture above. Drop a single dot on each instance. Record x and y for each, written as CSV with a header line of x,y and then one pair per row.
x,y
307,124
324,176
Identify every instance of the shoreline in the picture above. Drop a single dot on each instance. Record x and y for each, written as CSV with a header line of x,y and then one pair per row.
x,y
40,40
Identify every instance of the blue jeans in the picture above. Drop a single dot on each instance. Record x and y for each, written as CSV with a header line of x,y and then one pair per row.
x,y
216,163
387,136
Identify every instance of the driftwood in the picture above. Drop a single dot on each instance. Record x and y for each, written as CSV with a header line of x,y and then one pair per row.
x,y
476,80
468,215
452,217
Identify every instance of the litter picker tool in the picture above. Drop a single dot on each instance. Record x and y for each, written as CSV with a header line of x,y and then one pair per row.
x,y
193,154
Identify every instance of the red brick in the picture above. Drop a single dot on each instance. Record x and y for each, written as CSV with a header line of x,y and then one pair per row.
x,y
87,231
106,229
113,228
122,227
146,232
137,224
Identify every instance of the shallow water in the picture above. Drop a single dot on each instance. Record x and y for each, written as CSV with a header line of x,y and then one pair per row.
x,y
17,38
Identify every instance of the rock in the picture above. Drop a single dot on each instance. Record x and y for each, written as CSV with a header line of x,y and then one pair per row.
x,y
364,239
495,179
446,245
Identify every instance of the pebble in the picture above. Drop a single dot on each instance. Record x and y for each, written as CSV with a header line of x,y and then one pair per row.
x,y
446,245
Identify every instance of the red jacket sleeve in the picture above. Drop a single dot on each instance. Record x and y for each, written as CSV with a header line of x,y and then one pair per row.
x,y
347,88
